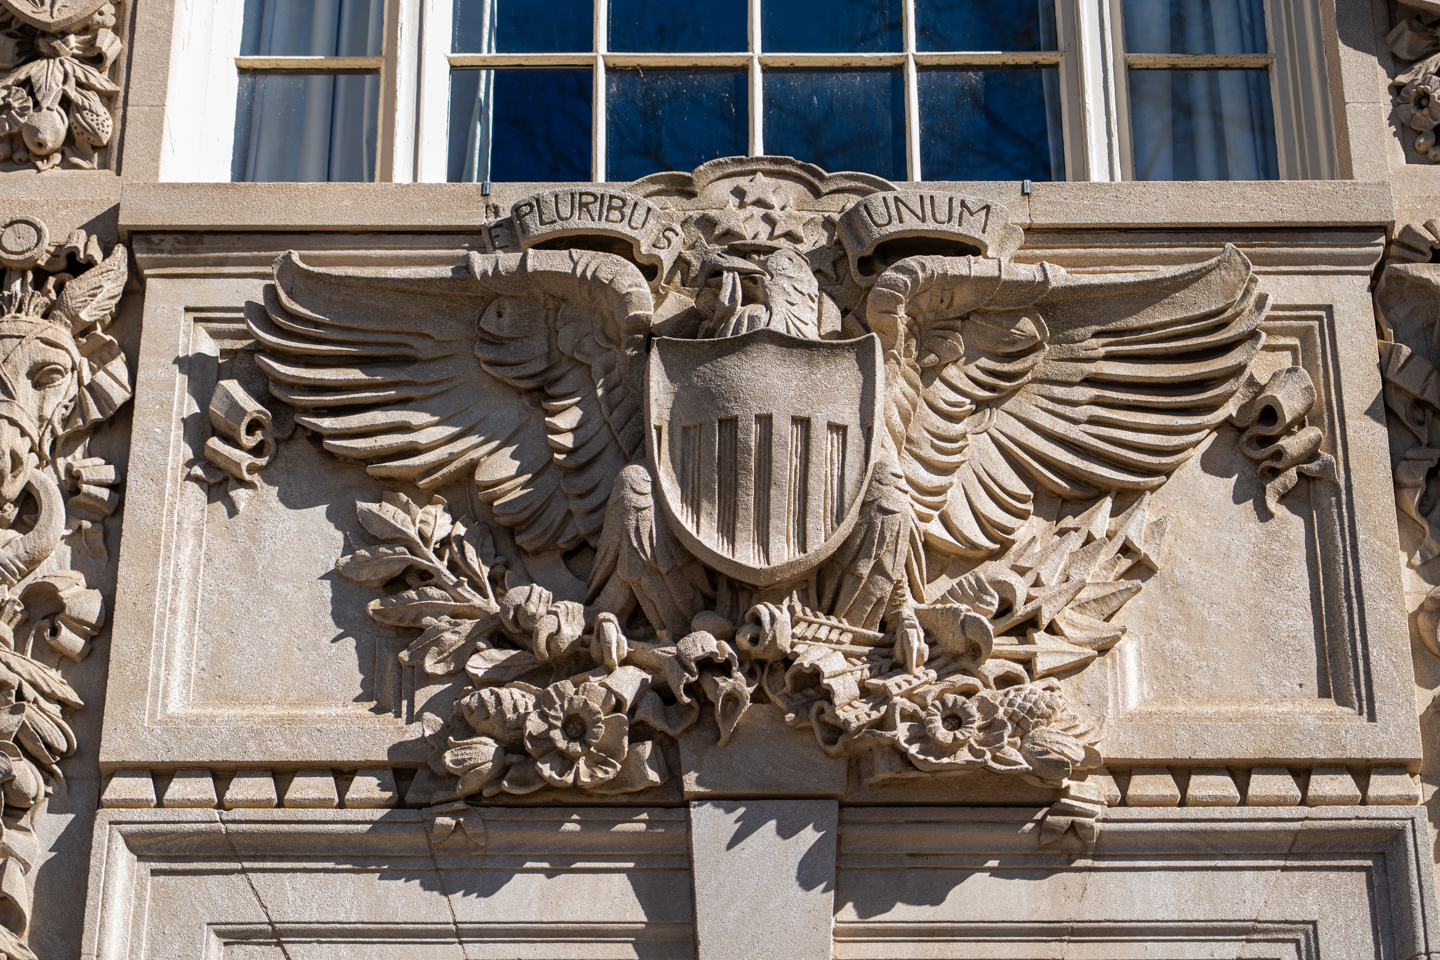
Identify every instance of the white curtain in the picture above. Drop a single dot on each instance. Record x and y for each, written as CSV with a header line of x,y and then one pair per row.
x,y
309,127
1201,124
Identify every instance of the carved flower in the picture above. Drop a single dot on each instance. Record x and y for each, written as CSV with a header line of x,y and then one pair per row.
x,y
1419,108
953,732
575,739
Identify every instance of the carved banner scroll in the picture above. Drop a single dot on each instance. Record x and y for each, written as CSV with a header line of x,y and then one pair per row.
x,y
981,224
558,214
900,507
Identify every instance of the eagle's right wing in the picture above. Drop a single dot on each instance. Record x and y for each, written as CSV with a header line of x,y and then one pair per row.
x,y
519,369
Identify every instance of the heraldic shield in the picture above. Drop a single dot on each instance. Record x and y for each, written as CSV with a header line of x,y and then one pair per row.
x,y
763,446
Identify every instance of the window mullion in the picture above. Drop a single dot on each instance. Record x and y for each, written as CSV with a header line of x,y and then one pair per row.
x,y
602,46
433,124
406,90
912,95
1099,65
757,85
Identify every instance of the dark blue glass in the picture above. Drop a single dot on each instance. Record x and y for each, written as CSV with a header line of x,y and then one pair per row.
x,y
830,26
312,28
1195,26
993,123
663,26
984,25
523,26
839,119
1202,125
539,124
672,119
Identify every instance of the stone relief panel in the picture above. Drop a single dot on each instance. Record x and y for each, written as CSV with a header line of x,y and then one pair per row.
x,y
758,438
63,375
57,89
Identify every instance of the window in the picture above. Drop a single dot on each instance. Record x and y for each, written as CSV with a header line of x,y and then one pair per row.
x,y
562,90
618,89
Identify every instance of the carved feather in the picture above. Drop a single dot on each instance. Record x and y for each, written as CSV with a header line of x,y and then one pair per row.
x,y
515,369
1008,378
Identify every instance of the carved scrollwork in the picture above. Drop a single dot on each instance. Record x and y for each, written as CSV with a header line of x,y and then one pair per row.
x,y
803,439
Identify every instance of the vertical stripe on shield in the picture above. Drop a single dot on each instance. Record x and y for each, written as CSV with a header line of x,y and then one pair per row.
x,y
799,493
764,443
690,492
727,473
834,478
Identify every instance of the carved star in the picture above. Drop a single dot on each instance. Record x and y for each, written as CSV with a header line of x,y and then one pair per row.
x,y
759,192
732,222
823,260
702,260
786,223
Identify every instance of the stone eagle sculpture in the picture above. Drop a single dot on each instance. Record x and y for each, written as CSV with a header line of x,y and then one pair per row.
x,y
897,518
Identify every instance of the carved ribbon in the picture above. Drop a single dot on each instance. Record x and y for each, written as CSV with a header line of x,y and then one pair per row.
x,y
1275,436
240,418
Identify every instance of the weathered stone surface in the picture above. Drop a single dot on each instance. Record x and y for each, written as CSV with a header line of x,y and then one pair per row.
x,y
755,860
251,789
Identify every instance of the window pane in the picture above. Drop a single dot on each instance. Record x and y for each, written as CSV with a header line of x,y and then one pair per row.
x,y
1195,26
830,26
840,119
1202,125
984,25
519,125
313,28
306,127
663,26
522,26
673,119
1000,123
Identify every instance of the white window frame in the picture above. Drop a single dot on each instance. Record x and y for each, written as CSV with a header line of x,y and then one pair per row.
x,y
416,63
206,66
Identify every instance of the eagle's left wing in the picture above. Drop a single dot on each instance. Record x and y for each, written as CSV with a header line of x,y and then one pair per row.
x,y
1004,379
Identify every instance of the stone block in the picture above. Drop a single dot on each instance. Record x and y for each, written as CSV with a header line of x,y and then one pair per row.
x,y
129,788
191,788
1211,787
1392,785
763,756
1331,787
756,862
312,788
1272,787
251,788
372,788
1152,787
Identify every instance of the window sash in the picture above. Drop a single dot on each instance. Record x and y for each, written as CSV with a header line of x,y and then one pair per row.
x,y
438,62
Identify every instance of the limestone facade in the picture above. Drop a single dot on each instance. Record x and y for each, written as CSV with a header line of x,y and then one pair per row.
x,y
747,561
